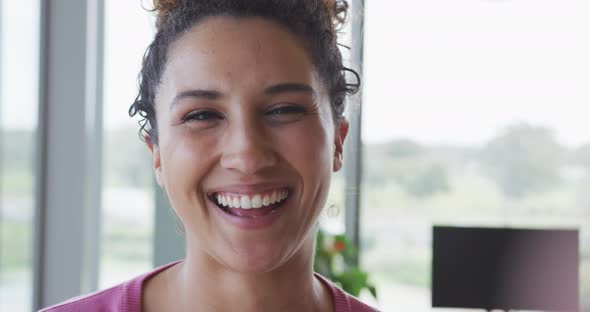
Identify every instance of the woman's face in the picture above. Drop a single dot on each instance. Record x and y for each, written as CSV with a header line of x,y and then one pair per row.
x,y
247,141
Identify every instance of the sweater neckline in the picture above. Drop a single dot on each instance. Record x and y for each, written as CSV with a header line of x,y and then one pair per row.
x,y
133,290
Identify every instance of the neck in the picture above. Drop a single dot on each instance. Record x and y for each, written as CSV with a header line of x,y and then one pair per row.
x,y
202,282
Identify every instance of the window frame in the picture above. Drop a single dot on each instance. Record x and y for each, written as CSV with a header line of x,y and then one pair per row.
x,y
69,151
353,147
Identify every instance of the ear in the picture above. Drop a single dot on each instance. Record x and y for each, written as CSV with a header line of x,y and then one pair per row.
x,y
155,150
339,136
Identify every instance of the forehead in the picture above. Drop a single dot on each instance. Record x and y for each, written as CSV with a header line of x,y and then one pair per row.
x,y
226,52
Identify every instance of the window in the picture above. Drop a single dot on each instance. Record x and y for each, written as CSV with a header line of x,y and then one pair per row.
x,y
128,199
474,113
333,218
19,45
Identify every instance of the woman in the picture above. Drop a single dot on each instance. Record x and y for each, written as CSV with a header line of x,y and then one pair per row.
x,y
243,104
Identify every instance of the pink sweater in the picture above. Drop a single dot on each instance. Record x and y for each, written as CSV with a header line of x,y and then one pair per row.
x,y
126,297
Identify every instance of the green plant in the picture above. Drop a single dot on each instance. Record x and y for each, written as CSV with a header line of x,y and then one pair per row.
x,y
334,259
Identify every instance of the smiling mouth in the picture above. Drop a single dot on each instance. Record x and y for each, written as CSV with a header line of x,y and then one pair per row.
x,y
250,205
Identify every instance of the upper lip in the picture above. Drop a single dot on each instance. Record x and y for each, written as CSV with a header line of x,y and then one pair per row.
x,y
248,188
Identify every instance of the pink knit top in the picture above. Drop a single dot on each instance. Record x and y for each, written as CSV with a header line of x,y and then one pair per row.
x,y
126,297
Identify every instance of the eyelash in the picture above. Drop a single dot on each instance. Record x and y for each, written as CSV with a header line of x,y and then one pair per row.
x,y
276,112
287,109
201,115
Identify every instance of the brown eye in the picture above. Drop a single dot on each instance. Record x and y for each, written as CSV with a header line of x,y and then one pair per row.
x,y
202,115
286,113
202,119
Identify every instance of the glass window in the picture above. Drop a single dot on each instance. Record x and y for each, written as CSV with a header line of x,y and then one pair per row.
x,y
332,220
474,113
19,74
128,200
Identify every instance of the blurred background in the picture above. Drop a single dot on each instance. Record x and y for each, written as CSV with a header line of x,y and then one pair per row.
x,y
474,113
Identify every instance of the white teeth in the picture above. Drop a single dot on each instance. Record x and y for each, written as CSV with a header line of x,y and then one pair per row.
x,y
247,202
266,200
256,201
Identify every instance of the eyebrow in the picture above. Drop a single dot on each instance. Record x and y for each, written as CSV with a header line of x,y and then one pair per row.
x,y
202,94
289,87
215,95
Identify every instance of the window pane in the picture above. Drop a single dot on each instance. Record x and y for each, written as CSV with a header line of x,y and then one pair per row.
x,y
128,201
19,46
333,218
475,113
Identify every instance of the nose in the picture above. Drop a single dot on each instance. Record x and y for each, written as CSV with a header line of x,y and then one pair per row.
x,y
248,148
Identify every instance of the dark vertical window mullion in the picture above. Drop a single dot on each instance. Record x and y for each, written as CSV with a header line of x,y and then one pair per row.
x,y
40,161
353,148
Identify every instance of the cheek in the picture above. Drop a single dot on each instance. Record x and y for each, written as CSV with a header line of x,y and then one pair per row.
x,y
310,150
184,164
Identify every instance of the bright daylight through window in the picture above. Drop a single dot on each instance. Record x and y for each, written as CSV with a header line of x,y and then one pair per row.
x,y
474,114
127,195
19,74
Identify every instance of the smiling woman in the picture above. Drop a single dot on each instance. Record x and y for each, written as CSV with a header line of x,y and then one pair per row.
x,y
243,113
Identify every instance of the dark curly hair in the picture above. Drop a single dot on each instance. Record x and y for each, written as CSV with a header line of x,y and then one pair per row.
x,y
315,22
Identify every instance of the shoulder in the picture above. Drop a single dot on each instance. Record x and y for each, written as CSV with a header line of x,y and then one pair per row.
x,y
106,300
344,302
123,297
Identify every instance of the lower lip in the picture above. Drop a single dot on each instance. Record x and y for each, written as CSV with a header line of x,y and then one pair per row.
x,y
250,223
